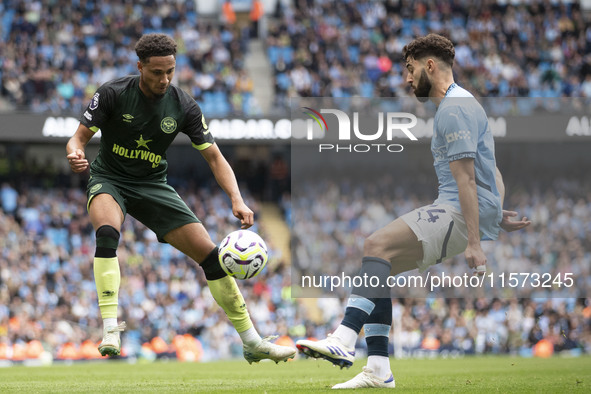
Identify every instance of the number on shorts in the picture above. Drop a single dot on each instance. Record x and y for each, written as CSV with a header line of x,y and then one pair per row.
x,y
433,218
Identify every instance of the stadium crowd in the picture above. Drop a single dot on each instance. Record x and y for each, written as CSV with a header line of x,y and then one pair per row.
x,y
335,216
48,298
503,49
47,290
55,54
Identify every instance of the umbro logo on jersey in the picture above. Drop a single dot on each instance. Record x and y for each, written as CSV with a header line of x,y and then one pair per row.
x,y
127,118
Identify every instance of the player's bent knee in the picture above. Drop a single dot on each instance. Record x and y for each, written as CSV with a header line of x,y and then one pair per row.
x,y
375,246
107,241
212,267
381,244
108,232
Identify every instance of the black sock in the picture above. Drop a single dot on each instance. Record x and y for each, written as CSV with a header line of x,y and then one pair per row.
x,y
211,266
377,328
364,298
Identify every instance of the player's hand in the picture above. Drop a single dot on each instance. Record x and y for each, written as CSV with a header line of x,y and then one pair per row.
x,y
512,225
244,213
77,160
476,258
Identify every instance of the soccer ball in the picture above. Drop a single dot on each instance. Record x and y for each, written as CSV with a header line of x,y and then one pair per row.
x,y
243,254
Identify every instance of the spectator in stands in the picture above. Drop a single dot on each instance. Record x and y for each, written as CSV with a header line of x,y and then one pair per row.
x,y
39,278
8,198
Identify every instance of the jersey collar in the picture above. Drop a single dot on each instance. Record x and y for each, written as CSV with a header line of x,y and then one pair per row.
x,y
451,87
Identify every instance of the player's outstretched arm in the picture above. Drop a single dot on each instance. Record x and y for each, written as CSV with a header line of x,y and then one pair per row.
x,y
225,177
75,148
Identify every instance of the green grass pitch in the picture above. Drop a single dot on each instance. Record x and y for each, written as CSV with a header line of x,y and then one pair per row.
x,y
469,374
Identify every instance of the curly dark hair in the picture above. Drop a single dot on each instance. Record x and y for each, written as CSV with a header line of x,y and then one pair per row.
x,y
154,44
430,45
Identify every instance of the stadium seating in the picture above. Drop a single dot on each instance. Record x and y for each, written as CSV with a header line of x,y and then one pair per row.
x,y
49,287
492,39
61,76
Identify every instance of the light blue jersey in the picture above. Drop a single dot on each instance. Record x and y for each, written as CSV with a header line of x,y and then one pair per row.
x,y
461,130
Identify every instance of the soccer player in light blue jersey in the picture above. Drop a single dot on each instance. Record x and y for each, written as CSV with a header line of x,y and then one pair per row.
x,y
468,209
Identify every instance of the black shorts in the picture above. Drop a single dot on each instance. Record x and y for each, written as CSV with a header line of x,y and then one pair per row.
x,y
156,204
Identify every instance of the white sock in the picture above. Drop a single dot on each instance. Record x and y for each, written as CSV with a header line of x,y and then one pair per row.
x,y
380,366
110,322
347,335
250,336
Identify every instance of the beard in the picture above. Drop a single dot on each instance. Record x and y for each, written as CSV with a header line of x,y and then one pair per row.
x,y
423,87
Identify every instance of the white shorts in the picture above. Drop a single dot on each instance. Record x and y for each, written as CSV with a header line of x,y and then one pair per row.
x,y
442,231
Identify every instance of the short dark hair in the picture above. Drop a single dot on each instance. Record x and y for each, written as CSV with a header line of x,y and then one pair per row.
x,y
154,44
430,45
